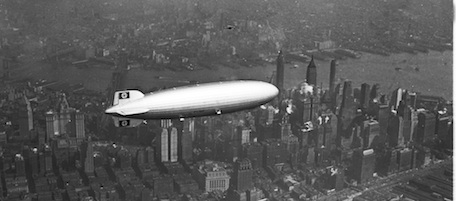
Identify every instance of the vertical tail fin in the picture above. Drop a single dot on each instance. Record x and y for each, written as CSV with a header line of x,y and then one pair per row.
x,y
122,97
126,122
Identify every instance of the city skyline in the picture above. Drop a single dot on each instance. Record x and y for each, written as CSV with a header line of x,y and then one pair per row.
x,y
363,110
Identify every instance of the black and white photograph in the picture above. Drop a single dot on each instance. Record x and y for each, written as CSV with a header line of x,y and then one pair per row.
x,y
226,100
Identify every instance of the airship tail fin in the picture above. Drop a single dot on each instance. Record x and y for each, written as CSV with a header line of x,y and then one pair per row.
x,y
126,122
122,97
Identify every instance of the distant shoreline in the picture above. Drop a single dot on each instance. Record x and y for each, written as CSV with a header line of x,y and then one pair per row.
x,y
433,77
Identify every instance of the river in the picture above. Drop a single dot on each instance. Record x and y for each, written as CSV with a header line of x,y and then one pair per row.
x,y
435,75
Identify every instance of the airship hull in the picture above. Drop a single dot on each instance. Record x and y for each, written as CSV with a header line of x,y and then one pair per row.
x,y
197,112
197,100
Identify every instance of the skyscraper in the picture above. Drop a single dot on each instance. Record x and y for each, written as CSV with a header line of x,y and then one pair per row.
x,y
173,145
393,130
163,144
167,144
274,152
19,165
347,107
51,126
88,162
65,120
280,73
383,117
363,165
166,123
47,167
79,124
34,161
311,75
365,95
186,142
242,177
285,131
254,152
307,110
372,131
332,77
426,126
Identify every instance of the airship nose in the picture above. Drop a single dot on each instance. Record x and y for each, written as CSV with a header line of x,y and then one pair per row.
x,y
272,90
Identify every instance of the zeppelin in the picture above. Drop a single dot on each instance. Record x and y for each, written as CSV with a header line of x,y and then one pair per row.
x,y
131,107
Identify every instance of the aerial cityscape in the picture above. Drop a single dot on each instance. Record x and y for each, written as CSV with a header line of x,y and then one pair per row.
x,y
236,100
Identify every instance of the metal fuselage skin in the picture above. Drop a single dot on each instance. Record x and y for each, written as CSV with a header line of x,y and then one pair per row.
x,y
199,100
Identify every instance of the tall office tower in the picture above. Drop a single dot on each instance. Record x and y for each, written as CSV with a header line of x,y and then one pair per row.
x,y
19,165
270,114
274,152
22,121
34,161
407,123
307,110
64,121
363,165
187,142
393,131
163,143
254,152
88,162
412,99
47,167
371,131
386,162
242,175
365,96
305,135
166,123
25,118
383,117
332,77
280,74
442,126
173,143
245,135
426,126
64,111
189,125
293,149
334,177
311,75
329,123
404,159
374,91
285,131
236,134
400,133
52,127
347,108
80,127
413,124
320,133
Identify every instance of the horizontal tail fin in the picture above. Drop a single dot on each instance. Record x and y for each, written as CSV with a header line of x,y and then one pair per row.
x,y
126,122
122,97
